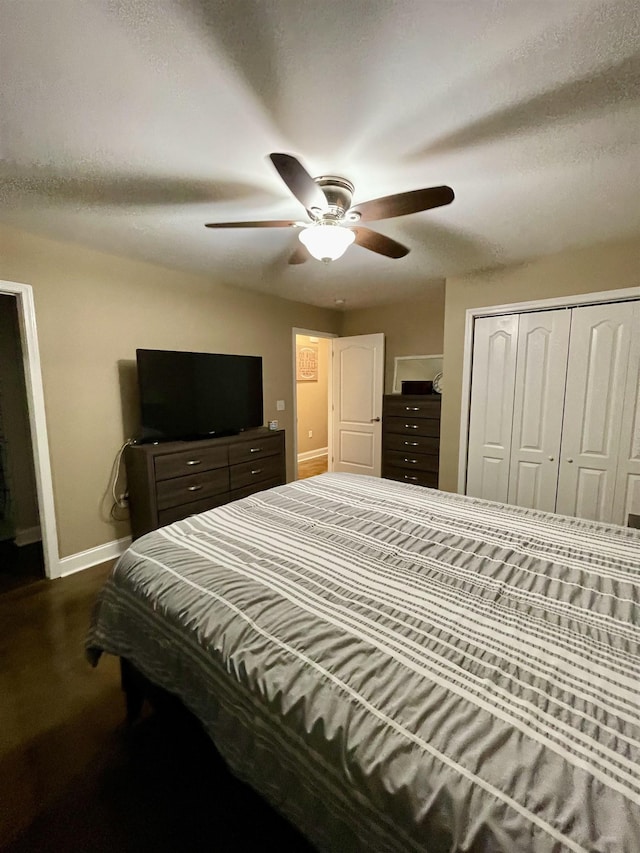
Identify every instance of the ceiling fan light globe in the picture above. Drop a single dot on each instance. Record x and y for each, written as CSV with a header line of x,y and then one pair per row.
x,y
326,241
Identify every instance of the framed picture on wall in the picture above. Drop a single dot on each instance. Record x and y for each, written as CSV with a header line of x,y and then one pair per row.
x,y
307,363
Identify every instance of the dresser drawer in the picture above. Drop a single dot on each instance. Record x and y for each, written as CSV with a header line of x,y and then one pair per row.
x,y
418,478
411,443
411,438
416,407
259,469
177,513
175,479
412,461
245,451
237,494
412,426
190,461
192,487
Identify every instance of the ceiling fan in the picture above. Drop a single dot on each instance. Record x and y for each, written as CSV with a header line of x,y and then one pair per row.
x,y
334,222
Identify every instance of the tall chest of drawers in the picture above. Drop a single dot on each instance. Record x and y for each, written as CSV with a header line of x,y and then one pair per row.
x,y
172,480
411,438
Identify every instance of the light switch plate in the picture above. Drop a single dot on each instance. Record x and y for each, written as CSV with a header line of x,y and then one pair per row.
x,y
280,405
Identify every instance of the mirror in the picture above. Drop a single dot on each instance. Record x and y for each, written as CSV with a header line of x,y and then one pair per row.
x,y
420,367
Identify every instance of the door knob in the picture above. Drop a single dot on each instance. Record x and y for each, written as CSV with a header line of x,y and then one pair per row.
x,y
569,460
551,459
374,420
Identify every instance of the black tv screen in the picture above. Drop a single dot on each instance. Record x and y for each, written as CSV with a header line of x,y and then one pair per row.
x,y
192,395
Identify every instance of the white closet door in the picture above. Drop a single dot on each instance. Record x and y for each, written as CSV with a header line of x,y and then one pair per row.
x,y
596,378
492,397
543,344
627,493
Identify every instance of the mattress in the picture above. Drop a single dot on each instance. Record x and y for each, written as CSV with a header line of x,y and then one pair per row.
x,y
396,668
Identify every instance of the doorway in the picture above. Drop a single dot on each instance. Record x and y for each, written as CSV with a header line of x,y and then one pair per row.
x,y
28,531
21,558
312,353
348,394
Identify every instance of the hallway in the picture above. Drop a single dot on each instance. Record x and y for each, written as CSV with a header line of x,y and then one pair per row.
x,y
312,467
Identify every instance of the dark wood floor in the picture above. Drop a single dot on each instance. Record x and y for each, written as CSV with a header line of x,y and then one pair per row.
x,y
73,777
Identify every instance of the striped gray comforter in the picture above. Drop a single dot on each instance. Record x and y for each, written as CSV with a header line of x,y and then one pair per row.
x,y
397,668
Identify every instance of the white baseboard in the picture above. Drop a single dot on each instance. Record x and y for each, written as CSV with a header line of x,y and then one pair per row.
x,y
93,556
28,535
313,454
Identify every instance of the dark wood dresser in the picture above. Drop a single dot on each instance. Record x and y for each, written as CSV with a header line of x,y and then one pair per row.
x,y
172,480
411,438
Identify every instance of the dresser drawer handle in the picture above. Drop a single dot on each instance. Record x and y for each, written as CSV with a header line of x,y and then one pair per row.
x,y
411,443
255,450
414,461
194,488
411,426
407,477
194,462
412,408
257,471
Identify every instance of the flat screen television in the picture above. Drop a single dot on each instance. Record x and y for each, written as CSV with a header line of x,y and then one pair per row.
x,y
195,395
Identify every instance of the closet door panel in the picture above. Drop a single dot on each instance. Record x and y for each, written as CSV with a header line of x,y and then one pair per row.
x,y
592,489
543,343
629,498
627,494
492,397
596,379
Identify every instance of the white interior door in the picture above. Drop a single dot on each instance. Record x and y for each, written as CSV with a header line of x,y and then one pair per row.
x,y
627,493
596,381
492,398
543,343
356,417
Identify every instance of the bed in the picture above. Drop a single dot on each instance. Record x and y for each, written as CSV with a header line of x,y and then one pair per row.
x,y
397,668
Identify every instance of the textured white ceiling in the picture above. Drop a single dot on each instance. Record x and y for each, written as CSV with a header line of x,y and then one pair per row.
x,y
127,124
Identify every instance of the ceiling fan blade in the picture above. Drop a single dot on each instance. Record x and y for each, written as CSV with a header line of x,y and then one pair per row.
x,y
299,181
266,223
379,243
401,204
300,255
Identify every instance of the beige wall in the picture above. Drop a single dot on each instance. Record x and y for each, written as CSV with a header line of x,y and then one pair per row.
x,y
597,268
92,311
312,400
411,327
15,421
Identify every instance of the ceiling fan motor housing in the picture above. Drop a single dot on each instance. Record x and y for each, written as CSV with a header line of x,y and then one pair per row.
x,y
338,192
